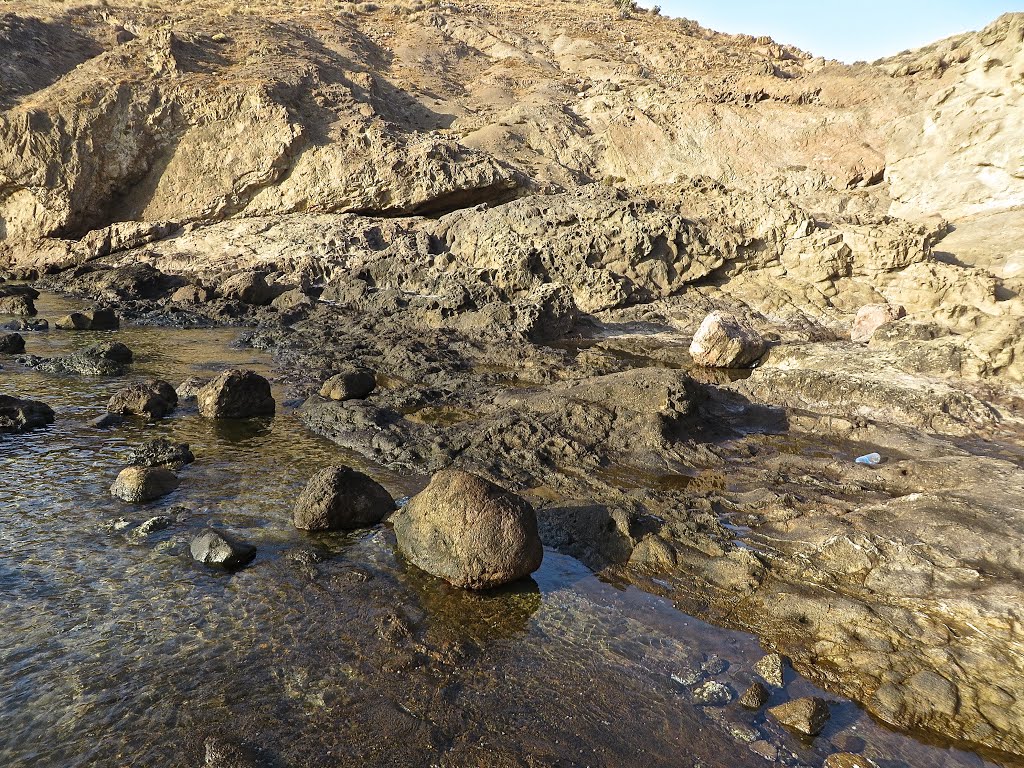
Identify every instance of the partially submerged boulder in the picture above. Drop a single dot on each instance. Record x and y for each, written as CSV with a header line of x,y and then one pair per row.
x,y
469,532
248,288
11,343
236,394
110,359
215,547
725,341
141,484
340,498
153,399
17,415
352,384
160,453
95,320
807,715
871,317
17,304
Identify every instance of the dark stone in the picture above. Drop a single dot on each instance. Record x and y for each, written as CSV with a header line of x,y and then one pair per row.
x,y
160,453
11,343
18,415
153,399
755,697
216,548
340,498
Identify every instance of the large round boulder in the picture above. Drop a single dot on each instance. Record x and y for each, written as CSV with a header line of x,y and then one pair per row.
x,y
339,499
141,484
236,394
725,341
469,532
153,399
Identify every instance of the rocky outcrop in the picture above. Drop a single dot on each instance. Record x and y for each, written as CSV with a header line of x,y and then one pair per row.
x,y
236,394
469,532
94,320
339,499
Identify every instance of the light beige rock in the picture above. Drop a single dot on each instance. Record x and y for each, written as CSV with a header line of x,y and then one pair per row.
x,y
724,341
872,317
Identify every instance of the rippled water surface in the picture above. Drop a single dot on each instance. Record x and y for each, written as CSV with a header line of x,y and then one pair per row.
x,y
117,650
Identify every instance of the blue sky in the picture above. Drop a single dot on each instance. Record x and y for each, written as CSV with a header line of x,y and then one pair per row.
x,y
839,29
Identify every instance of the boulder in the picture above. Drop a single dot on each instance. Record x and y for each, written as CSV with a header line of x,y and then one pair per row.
x,y
11,343
17,304
353,384
153,399
469,532
191,294
871,317
772,668
236,394
807,715
142,484
755,697
160,453
214,547
25,324
248,288
725,341
111,359
96,320
340,498
17,415
291,300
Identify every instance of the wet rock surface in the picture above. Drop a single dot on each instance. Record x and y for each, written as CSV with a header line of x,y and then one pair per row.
x,y
153,399
469,532
139,484
11,343
19,415
807,716
237,394
217,548
341,498
160,453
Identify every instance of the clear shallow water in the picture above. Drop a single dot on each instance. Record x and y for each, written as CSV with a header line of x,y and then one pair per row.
x,y
116,649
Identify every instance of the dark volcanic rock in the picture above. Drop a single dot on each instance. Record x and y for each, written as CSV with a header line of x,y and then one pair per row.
x,y
807,715
141,484
469,532
340,498
214,547
18,415
353,384
160,453
236,394
154,399
110,359
755,697
11,343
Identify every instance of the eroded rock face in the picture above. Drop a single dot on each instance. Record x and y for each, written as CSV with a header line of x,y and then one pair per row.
x,y
724,341
153,399
138,485
469,532
17,415
340,498
236,394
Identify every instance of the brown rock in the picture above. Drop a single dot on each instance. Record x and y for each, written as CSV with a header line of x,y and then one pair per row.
x,y
236,394
847,760
772,668
469,532
807,715
154,399
353,384
340,498
17,305
141,484
755,697
11,343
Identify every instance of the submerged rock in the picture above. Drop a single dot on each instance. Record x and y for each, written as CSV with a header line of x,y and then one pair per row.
x,y
107,421
160,453
872,317
847,760
214,547
725,341
141,484
154,399
469,532
353,384
11,343
94,320
17,415
712,694
236,394
110,359
25,324
807,715
340,498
